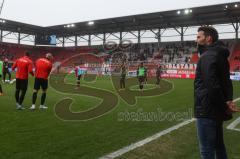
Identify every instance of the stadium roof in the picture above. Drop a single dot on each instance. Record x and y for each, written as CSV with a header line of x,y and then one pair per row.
x,y
214,14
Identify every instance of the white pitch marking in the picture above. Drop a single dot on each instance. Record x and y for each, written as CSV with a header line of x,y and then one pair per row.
x,y
233,125
145,141
158,135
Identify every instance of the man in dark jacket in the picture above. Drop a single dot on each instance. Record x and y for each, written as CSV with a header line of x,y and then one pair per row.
x,y
1,68
213,93
123,77
6,71
158,75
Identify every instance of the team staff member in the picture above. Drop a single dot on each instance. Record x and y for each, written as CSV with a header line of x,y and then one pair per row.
x,y
1,68
158,75
6,71
78,73
24,66
42,70
141,74
213,92
123,76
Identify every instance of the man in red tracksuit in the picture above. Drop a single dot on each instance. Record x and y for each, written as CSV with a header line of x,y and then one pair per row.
x,y
43,68
24,66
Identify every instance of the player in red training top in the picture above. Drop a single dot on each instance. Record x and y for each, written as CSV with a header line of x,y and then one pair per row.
x,y
24,66
42,70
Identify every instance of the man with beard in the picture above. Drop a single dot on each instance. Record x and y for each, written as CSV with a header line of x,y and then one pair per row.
x,y
213,93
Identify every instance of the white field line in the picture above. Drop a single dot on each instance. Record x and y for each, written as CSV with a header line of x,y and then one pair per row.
x,y
158,135
233,125
145,141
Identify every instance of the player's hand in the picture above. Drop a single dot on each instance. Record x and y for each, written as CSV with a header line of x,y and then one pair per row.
x,y
232,107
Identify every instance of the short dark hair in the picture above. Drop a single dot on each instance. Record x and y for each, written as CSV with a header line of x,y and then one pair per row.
x,y
209,31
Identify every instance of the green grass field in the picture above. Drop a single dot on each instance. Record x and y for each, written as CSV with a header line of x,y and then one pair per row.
x,y
46,134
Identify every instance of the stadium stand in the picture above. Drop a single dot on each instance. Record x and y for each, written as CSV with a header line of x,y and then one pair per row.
x,y
167,52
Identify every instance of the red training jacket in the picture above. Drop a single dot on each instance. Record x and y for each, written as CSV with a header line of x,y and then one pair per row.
x,y
43,68
24,66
